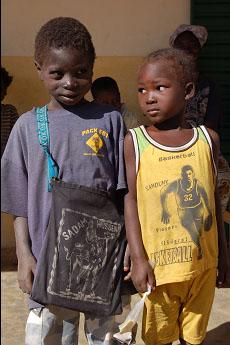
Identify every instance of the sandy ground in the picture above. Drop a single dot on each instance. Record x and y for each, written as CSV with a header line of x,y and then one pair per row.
x,y
14,313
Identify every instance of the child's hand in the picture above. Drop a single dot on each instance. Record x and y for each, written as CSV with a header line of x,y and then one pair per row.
x,y
142,274
26,271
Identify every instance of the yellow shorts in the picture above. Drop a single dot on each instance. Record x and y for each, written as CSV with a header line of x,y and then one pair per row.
x,y
179,310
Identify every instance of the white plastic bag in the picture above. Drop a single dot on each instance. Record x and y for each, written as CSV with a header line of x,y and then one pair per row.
x,y
125,334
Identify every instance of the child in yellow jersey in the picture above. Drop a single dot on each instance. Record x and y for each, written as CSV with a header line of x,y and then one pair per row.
x,y
172,211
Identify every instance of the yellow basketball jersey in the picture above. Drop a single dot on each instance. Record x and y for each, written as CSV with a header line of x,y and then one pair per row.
x,y
176,205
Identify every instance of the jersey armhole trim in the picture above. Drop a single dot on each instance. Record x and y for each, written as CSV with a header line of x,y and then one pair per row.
x,y
207,136
136,149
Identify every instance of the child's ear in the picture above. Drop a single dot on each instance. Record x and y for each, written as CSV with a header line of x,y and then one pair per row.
x,y
38,67
189,90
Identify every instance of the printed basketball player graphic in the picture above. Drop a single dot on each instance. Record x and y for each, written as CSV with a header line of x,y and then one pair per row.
x,y
192,205
85,245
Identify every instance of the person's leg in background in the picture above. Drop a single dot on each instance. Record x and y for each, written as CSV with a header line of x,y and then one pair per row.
x,y
99,331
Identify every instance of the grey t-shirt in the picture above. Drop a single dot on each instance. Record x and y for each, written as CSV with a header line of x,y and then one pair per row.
x,y
86,143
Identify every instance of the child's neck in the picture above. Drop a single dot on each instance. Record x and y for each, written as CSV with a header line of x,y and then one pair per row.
x,y
55,105
170,124
170,133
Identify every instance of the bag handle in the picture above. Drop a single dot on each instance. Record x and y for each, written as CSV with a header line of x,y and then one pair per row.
x,y
44,141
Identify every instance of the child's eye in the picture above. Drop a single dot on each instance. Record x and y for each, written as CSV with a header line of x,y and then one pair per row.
x,y
81,72
141,90
161,88
56,74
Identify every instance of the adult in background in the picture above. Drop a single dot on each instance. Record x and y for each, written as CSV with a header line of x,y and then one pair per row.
x,y
205,107
9,114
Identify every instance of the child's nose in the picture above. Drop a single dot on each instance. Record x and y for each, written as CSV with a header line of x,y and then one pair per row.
x,y
69,83
151,97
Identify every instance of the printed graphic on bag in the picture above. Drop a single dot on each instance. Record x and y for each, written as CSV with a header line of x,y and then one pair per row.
x,y
83,254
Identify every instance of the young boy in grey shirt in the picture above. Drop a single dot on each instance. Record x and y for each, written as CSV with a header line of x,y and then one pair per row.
x,y
86,148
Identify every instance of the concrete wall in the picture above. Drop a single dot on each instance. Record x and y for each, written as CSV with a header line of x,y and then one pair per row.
x,y
123,31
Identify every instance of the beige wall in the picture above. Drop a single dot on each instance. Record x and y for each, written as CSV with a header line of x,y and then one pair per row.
x,y
121,27
123,32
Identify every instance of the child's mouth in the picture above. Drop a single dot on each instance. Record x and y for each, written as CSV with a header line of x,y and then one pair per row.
x,y
153,112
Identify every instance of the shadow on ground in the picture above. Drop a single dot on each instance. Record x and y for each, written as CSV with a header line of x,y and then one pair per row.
x,y
219,335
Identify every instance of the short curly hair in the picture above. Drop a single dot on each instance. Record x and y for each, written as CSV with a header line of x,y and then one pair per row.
x,y
63,32
183,64
6,79
104,84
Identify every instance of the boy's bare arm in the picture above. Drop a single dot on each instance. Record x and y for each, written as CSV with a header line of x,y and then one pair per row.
x,y
141,271
223,260
26,260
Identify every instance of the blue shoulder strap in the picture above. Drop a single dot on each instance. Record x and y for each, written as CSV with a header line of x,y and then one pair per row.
x,y
44,140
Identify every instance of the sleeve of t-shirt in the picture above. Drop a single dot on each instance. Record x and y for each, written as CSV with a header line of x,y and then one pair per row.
x,y
14,116
14,181
119,154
